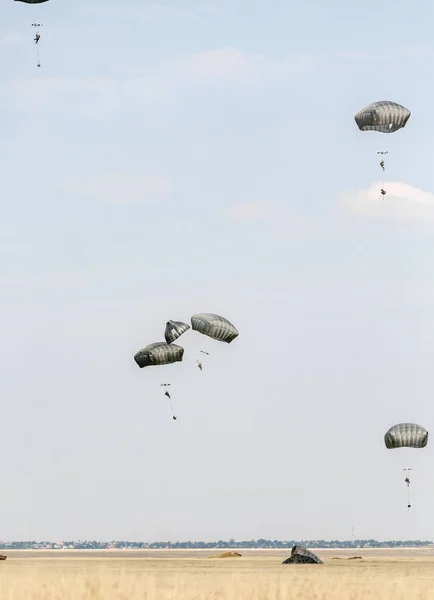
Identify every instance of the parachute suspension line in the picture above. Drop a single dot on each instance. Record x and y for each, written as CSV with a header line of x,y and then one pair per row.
x,y
407,481
167,394
174,417
36,40
383,168
199,361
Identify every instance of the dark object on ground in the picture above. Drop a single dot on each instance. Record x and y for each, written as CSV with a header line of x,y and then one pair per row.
x,y
227,555
300,555
355,558
3,557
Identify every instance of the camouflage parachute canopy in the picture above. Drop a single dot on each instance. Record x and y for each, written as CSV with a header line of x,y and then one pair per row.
x,y
302,556
174,329
214,326
159,353
407,435
384,116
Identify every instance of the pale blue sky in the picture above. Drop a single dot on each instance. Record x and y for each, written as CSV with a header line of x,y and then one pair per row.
x,y
203,157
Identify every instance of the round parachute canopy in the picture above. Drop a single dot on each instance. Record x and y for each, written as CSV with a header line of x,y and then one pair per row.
x,y
384,116
174,329
159,353
303,556
214,326
32,1
406,435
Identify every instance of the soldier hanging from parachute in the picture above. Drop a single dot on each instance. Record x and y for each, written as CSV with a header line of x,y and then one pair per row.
x,y
382,162
384,117
406,435
209,324
165,353
37,25
159,354
407,481
166,393
36,40
200,362
215,327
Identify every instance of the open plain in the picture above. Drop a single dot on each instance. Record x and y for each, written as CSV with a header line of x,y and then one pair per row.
x,y
193,575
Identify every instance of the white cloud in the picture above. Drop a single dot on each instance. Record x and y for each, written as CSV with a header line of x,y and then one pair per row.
x,y
13,38
252,210
388,54
402,202
277,216
141,86
121,188
209,8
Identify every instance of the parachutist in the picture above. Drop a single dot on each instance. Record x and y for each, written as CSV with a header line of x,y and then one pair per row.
x,y
383,192
37,38
382,164
199,364
406,435
174,418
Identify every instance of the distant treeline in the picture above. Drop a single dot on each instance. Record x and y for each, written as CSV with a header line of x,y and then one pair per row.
x,y
261,543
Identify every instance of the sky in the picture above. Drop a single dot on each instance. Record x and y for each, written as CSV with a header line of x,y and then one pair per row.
x,y
171,159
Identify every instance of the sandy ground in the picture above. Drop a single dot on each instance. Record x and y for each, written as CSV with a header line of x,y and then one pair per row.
x,y
323,553
398,574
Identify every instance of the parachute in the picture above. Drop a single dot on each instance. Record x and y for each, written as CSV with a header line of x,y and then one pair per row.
x,y
214,326
407,435
37,25
384,116
174,329
167,393
36,39
164,353
302,556
159,353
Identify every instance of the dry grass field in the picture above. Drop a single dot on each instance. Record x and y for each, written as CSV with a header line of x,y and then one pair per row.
x,y
183,575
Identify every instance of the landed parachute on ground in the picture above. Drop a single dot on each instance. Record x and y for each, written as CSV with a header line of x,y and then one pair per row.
x,y
302,555
174,329
214,326
158,353
384,116
406,435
